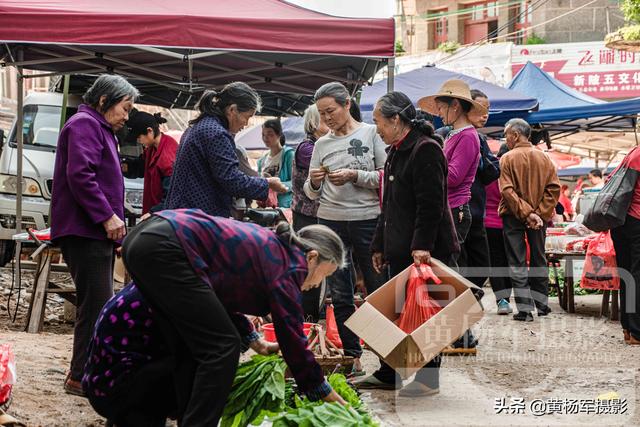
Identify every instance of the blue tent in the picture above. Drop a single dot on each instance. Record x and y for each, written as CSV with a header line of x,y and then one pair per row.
x,y
564,110
427,80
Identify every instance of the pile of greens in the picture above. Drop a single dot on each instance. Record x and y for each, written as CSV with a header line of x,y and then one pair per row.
x,y
321,414
258,391
311,414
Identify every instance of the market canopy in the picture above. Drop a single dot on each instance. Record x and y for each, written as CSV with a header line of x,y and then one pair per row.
x,y
190,45
273,103
427,80
564,110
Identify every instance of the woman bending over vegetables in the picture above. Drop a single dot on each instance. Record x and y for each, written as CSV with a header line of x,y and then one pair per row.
x,y
168,344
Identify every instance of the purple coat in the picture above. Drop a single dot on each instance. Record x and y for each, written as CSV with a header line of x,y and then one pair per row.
x,y
88,187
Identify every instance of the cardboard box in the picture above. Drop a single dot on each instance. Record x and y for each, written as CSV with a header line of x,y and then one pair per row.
x,y
407,353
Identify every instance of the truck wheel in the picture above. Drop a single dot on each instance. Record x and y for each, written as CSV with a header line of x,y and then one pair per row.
x,y
7,249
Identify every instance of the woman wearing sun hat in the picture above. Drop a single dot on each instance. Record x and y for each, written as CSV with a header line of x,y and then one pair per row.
x,y
453,104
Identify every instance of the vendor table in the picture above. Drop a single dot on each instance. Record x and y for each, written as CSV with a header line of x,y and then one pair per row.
x,y
566,293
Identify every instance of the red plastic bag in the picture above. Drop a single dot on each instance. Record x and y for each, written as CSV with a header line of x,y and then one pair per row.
x,y
418,306
7,373
332,327
600,268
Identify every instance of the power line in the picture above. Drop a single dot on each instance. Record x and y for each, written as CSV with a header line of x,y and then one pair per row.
x,y
459,54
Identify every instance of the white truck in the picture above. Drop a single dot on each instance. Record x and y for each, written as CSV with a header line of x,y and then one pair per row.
x,y
42,113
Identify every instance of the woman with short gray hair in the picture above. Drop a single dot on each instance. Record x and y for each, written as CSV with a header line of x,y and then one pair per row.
x,y
87,204
344,177
303,208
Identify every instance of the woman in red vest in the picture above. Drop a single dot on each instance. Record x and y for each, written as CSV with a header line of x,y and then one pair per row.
x,y
156,162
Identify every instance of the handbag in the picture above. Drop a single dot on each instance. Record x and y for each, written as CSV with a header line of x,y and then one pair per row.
x,y
610,207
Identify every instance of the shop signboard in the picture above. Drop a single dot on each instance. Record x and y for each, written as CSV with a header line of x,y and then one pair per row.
x,y
589,67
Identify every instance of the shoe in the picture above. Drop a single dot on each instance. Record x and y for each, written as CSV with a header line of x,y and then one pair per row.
x,y
73,387
372,383
543,311
416,389
633,340
467,340
504,307
523,316
627,335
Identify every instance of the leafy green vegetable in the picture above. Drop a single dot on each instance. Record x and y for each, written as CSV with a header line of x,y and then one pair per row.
x,y
258,391
321,414
339,383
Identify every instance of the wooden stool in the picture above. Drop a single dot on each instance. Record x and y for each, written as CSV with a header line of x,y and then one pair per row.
x,y
614,314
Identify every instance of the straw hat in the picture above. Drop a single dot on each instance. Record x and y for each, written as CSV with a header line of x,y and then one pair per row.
x,y
453,88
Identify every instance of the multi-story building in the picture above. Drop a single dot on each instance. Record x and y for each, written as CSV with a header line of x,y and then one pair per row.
x,y
424,24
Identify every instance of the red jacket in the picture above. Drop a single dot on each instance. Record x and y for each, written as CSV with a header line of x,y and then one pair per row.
x,y
158,165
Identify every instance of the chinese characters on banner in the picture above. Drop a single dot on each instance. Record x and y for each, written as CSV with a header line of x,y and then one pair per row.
x,y
588,67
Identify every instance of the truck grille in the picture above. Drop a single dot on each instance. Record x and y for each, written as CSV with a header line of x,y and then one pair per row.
x,y
50,185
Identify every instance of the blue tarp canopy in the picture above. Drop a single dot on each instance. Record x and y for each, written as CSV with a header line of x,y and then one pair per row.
x,y
564,110
427,80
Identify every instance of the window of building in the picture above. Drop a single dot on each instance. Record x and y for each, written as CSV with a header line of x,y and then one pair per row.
x,y
523,14
481,22
439,27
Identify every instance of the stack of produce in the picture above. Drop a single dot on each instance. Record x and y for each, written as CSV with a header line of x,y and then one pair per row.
x,y
260,391
312,414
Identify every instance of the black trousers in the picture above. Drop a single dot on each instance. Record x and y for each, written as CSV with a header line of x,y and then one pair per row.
x,y
147,399
500,280
357,237
90,263
530,285
626,240
475,253
311,298
199,332
462,222
429,375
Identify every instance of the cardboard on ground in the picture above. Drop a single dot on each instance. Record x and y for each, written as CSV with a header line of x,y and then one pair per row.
x,y
407,353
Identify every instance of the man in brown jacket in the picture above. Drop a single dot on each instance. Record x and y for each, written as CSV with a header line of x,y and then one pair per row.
x,y
530,190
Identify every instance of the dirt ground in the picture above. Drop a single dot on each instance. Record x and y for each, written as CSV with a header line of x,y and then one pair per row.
x,y
552,360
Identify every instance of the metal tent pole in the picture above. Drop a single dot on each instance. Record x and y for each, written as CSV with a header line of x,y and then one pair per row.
x,y
19,143
391,72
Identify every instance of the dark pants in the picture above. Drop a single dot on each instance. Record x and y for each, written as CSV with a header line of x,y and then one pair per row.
x,y
530,285
500,280
90,263
429,375
626,240
475,253
311,299
201,336
147,399
357,237
462,222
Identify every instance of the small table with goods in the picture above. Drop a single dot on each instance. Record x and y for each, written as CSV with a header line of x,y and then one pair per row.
x,y
568,243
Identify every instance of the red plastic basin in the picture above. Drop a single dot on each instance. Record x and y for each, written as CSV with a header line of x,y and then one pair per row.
x,y
270,333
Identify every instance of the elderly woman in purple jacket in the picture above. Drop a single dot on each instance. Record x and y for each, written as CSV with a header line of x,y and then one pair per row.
x,y
87,204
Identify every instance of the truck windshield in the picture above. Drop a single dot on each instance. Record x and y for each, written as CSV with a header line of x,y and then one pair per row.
x,y
41,125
